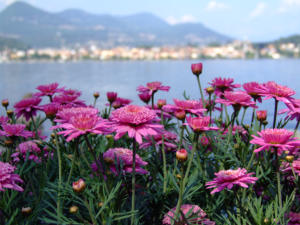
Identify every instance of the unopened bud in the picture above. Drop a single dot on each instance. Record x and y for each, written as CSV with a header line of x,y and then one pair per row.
x,y
10,113
210,90
100,204
79,186
96,95
261,115
180,114
289,158
178,176
265,122
26,211
161,103
181,155
197,68
8,142
73,209
5,103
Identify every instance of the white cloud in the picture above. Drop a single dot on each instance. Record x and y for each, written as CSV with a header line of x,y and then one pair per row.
x,y
214,5
286,5
259,10
7,2
184,19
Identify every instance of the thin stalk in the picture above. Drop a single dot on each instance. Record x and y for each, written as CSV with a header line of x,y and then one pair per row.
x,y
181,136
275,113
152,100
133,182
253,114
59,206
180,197
201,92
90,211
296,127
210,108
164,165
245,109
72,166
109,109
278,180
162,117
226,113
185,178
35,127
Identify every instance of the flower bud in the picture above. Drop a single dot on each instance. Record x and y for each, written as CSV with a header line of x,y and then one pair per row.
x,y
178,176
209,90
8,142
161,103
181,155
73,209
96,94
261,115
10,113
111,96
180,114
5,103
265,122
145,97
26,211
289,158
100,204
197,68
78,186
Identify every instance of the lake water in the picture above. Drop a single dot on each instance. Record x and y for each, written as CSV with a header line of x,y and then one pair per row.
x,y
18,79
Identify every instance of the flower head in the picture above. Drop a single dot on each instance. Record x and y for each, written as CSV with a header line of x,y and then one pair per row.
x,y
197,68
153,87
188,106
192,213
124,156
293,109
137,121
254,89
281,139
27,107
3,120
48,90
111,96
8,179
279,92
29,148
227,178
69,97
168,137
83,123
79,186
145,97
66,113
294,218
261,115
199,124
120,102
50,109
15,130
223,84
237,99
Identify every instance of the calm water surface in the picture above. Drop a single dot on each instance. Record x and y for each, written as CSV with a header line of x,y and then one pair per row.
x,y
18,79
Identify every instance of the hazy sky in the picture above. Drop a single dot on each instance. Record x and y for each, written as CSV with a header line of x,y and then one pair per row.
x,y
255,20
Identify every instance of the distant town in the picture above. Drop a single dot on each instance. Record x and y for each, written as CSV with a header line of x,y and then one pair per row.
x,y
233,50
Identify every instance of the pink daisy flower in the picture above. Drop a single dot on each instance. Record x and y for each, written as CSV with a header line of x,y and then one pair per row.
x,y
285,167
111,96
294,218
199,124
8,179
3,120
48,90
27,107
236,130
189,106
124,156
153,87
15,130
80,124
169,139
50,109
223,84
194,212
254,89
293,109
69,97
237,99
120,102
65,114
227,178
137,121
30,148
145,97
281,139
279,92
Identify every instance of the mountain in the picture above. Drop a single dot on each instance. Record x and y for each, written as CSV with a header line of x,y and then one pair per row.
x,y
39,28
11,43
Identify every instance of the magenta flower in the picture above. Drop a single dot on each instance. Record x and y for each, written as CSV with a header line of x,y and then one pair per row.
x,y
65,114
80,124
287,168
50,109
30,148
254,89
124,156
235,130
111,96
223,84
48,90
27,107
199,124
294,218
120,102
293,109
227,178
145,97
15,130
169,139
3,120
137,121
194,212
237,99
69,97
8,179
197,68
279,92
281,139
189,106
261,115
153,87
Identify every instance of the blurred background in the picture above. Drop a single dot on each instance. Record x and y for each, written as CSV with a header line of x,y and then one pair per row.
x,y
117,45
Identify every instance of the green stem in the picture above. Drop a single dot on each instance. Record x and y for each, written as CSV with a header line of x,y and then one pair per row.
x,y
90,211
180,197
245,109
275,113
278,180
35,127
296,127
133,183
201,92
59,206
109,109
185,178
226,112
210,108
72,166
253,114
164,165
152,100
181,136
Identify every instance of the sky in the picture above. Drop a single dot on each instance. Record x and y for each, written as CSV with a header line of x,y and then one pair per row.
x,y
254,20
